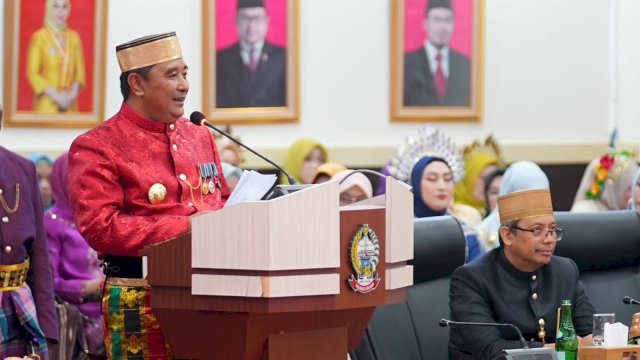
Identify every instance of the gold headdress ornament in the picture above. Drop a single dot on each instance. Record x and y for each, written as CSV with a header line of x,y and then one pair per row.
x,y
524,204
428,141
147,51
490,147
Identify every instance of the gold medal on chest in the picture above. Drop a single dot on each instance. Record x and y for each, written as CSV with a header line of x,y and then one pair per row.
x,y
157,193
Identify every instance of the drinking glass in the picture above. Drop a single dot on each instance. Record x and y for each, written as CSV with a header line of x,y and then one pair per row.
x,y
598,327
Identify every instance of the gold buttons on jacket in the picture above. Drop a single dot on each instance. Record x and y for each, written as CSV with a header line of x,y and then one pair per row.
x,y
7,249
5,219
534,296
157,193
182,177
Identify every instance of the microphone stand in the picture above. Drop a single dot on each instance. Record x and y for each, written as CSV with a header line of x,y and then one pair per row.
x,y
204,121
523,342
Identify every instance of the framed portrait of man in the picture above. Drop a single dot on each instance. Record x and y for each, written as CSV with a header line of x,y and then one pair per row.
x,y
250,61
54,63
436,60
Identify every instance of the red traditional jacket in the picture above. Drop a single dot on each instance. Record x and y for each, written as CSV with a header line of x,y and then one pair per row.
x,y
115,167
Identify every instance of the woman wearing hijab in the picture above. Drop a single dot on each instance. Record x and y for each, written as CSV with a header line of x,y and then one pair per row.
x,y
44,164
353,188
492,189
76,270
55,62
433,182
480,160
606,184
326,171
302,160
521,175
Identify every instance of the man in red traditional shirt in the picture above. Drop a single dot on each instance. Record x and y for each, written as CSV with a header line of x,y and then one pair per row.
x,y
136,179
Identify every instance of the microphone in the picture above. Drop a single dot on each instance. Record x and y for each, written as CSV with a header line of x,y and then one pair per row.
x,y
445,323
199,119
629,300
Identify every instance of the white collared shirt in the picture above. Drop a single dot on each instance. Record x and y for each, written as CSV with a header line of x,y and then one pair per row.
x,y
246,48
432,52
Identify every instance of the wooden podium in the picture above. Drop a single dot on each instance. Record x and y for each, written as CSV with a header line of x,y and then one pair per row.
x,y
269,279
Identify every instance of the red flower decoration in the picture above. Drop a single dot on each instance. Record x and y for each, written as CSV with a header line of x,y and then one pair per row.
x,y
607,161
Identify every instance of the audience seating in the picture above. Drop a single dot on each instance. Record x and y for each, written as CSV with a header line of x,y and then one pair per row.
x,y
605,246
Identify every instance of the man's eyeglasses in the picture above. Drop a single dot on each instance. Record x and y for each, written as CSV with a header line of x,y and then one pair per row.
x,y
539,232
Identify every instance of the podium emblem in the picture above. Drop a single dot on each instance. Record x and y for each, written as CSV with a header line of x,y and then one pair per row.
x,y
365,254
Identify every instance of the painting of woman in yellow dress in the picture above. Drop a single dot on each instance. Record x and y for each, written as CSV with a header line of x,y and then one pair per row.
x,y
55,62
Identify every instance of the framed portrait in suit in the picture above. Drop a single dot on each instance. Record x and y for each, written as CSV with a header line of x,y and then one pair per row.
x,y
250,61
54,63
436,60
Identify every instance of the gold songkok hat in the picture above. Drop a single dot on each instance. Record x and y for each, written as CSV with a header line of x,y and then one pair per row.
x,y
147,51
523,204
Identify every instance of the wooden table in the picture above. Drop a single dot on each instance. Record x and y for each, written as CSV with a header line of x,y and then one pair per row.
x,y
631,352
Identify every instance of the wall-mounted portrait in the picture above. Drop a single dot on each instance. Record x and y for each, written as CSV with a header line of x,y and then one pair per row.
x,y
54,63
250,61
436,60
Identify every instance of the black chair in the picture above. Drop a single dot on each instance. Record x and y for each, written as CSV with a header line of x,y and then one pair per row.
x,y
410,330
606,248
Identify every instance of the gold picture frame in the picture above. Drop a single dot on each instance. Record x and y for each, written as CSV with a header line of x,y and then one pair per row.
x,y
45,56
267,94
414,95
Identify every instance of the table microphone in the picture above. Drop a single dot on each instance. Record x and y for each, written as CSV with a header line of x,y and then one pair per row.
x,y
445,323
199,119
629,300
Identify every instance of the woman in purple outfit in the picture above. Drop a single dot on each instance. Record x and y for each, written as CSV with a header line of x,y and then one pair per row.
x,y
76,268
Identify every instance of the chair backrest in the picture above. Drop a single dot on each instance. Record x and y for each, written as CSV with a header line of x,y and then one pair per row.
x,y
410,330
606,248
439,249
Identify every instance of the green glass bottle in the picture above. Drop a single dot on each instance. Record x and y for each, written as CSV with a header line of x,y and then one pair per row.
x,y
566,339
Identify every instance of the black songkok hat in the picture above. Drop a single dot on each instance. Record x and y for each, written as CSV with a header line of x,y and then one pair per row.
x,y
250,3
438,4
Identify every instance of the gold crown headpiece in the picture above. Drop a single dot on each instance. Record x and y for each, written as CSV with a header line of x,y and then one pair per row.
x,y
428,141
490,146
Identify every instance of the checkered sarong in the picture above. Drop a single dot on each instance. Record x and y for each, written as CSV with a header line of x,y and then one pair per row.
x,y
132,331
20,333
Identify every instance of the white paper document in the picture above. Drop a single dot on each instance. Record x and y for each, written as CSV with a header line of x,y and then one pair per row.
x,y
252,186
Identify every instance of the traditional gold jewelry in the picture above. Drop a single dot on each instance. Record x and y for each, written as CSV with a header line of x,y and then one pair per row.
x,y
16,205
191,188
205,187
541,334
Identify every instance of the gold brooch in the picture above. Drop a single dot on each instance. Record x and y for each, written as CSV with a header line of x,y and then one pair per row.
x,y
541,333
157,193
